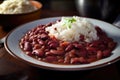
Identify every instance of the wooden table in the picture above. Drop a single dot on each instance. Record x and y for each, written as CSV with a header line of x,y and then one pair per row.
x,y
28,72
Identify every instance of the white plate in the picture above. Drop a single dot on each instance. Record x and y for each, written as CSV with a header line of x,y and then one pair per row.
x,y
13,38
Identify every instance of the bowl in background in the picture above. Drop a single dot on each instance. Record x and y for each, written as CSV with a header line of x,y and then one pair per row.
x,y
106,10
10,21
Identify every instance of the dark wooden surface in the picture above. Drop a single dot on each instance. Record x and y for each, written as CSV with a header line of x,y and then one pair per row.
x,y
111,72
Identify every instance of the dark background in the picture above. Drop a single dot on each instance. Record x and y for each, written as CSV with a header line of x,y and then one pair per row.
x,y
113,8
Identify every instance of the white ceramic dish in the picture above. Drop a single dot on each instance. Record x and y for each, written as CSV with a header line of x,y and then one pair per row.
x,y
12,46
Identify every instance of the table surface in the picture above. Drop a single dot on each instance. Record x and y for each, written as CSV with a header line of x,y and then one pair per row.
x,y
111,72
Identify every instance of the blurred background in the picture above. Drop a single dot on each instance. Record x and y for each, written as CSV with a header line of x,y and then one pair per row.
x,y
106,10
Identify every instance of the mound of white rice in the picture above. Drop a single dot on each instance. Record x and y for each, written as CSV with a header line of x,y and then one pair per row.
x,y
70,29
16,6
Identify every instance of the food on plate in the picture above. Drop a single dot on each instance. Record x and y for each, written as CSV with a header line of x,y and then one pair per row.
x,y
70,40
16,7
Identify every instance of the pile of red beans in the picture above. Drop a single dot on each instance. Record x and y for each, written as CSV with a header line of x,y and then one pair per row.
x,y
38,44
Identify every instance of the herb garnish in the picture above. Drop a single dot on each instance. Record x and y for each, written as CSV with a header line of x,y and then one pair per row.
x,y
69,21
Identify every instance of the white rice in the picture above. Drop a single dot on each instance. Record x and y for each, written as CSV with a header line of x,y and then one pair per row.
x,y
16,6
71,31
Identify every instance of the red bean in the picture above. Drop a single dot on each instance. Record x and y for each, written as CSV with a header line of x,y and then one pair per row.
x,y
38,52
91,59
99,54
80,60
41,42
37,46
111,45
67,60
81,53
92,49
44,36
57,52
48,53
106,53
64,44
95,43
82,38
77,45
51,59
53,44
69,47
27,46
61,61
72,53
